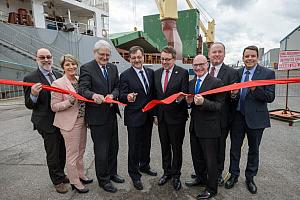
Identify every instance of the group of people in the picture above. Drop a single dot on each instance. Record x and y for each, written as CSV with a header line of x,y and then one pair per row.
x,y
62,120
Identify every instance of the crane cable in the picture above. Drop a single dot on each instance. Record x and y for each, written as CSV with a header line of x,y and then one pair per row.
x,y
134,14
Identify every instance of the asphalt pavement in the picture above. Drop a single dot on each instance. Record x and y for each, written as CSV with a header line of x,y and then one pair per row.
x,y
24,174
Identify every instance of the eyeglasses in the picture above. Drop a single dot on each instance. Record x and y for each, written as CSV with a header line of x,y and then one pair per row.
x,y
199,64
166,59
44,57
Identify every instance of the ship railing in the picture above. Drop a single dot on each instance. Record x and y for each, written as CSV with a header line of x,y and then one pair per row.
x,y
26,43
13,71
3,16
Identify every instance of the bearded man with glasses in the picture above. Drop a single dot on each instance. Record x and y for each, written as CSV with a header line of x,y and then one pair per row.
x,y
42,117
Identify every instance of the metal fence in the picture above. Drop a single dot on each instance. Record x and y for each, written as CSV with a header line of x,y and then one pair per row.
x,y
12,71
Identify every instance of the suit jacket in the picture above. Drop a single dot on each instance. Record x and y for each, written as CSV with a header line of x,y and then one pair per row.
x,y
256,110
206,118
130,82
91,81
228,76
65,113
42,116
174,113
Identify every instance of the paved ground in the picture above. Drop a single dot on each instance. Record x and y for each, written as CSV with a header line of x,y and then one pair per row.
x,y
24,175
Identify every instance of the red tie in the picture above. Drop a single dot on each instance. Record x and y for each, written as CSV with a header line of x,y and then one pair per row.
x,y
166,80
212,71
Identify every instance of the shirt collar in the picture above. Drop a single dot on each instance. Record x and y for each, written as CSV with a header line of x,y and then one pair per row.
x,y
252,70
202,77
44,71
138,70
217,67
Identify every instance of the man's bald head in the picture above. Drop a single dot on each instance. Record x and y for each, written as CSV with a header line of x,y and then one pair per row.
x,y
200,65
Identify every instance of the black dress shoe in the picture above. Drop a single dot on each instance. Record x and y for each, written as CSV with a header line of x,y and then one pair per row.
x,y
205,195
176,184
195,182
220,180
117,179
84,190
251,186
138,185
108,187
231,182
163,180
149,171
193,176
87,181
66,180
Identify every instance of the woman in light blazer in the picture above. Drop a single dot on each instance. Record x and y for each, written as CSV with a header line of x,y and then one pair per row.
x,y
69,117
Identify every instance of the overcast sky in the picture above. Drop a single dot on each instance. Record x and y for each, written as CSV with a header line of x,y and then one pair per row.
x,y
239,23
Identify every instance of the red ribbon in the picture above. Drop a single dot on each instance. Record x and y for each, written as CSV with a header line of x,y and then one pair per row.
x,y
56,89
235,86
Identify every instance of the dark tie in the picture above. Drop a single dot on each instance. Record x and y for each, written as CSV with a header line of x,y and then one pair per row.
x,y
212,71
144,80
50,77
197,88
105,72
166,80
243,94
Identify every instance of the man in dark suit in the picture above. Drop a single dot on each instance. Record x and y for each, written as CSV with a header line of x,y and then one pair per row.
x,y
171,118
228,76
98,80
42,117
251,118
205,127
136,90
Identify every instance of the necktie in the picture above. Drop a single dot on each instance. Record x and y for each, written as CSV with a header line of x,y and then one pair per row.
x,y
50,77
212,71
144,80
105,72
243,94
197,87
166,80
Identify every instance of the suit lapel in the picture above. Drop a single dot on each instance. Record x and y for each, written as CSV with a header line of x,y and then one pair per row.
x,y
256,73
173,77
42,78
136,78
100,74
158,80
192,85
203,87
222,72
68,84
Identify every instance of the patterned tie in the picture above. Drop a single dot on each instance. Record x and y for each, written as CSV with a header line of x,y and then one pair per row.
x,y
144,80
166,80
50,77
105,72
197,88
212,71
243,94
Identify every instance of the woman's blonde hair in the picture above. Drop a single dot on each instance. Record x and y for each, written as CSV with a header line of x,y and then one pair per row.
x,y
68,57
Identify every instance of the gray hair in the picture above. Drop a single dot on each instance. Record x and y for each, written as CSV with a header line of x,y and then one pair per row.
x,y
102,44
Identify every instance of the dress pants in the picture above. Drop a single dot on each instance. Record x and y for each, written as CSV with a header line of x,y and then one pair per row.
x,y
55,155
222,149
239,129
171,139
75,141
139,145
106,147
204,156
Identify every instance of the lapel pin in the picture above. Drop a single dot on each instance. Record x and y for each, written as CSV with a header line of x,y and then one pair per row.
x,y
176,72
